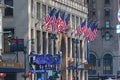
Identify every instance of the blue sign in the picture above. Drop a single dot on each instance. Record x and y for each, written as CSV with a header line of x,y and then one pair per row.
x,y
40,79
40,59
48,59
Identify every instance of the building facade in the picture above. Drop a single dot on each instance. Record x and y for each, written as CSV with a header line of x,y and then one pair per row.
x,y
104,51
25,19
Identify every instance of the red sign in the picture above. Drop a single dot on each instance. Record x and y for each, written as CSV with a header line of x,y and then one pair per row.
x,y
13,41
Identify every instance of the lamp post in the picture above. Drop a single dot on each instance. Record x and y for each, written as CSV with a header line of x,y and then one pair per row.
x,y
25,55
76,56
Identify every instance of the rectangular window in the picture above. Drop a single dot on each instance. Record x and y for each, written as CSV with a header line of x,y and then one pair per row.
x,y
43,11
107,1
32,3
107,24
38,11
73,48
73,21
49,9
44,43
68,47
81,49
107,36
6,46
49,44
93,1
38,41
94,12
8,10
107,12
32,40
77,21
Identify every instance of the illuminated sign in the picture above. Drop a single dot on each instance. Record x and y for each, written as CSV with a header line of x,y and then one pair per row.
x,y
48,59
17,45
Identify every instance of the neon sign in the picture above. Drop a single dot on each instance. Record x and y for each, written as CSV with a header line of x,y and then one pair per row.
x,y
47,59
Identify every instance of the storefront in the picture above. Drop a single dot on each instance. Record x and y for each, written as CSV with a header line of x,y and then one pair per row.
x,y
9,70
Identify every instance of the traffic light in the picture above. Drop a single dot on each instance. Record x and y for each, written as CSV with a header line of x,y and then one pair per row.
x,y
9,39
55,74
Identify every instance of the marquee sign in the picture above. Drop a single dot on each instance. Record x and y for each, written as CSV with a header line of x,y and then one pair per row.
x,y
47,59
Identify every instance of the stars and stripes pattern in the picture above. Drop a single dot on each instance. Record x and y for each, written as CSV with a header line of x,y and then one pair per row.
x,y
49,19
93,32
59,23
81,28
89,30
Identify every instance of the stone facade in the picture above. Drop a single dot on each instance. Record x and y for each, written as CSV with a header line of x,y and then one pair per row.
x,y
27,23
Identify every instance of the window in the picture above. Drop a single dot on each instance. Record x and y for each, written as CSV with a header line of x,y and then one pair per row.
x,y
8,10
107,1
85,76
77,21
43,11
73,21
107,24
92,62
32,6
49,9
11,76
44,43
38,10
32,40
107,64
107,36
107,12
49,43
94,12
38,41
6,46
73,48
81,49
68,47
93,1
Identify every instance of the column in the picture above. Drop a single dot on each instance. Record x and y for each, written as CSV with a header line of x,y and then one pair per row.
x,y
1,28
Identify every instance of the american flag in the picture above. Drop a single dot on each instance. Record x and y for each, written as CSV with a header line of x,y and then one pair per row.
x,y
49,19
60,22
80,29
54,22
88,30
93,33
66,23
84,26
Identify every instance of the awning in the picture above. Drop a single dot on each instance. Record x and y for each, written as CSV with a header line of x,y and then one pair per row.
x,y
11,67
17,70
